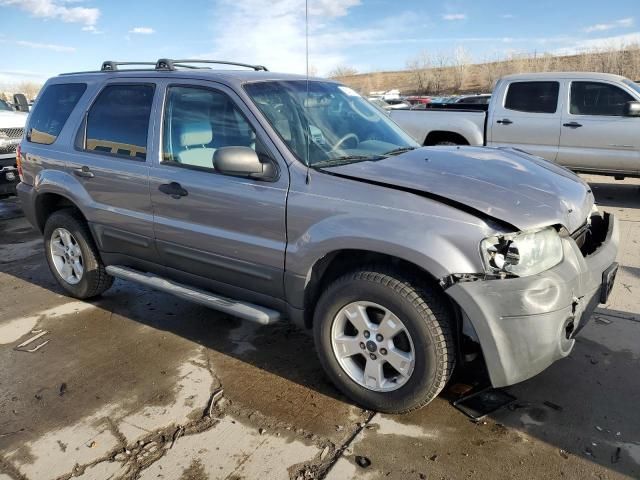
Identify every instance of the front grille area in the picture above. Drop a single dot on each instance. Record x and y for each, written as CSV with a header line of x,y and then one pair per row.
x,y
12,132
7,150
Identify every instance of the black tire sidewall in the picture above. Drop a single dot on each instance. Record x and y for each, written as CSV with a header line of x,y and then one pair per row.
x,y
66,220
427,361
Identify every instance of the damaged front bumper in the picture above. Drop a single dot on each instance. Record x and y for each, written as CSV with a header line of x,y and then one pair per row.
x,y
525,324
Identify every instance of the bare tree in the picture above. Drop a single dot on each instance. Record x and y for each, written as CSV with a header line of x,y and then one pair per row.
x,y
459,67
420,70
342,71
30,89
440,63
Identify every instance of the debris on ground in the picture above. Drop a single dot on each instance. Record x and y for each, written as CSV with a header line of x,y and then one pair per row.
x,y
563,454
324,453
363,462
38,334
552,405
615,457
63,389
460,388
603,321
479,404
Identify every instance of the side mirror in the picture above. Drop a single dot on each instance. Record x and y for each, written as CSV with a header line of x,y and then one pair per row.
x,y
632,109
239,162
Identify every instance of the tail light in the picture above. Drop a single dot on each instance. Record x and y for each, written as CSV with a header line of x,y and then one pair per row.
x,y
19,161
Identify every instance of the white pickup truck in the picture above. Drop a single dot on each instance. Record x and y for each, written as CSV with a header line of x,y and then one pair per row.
x,y
588,122
11,128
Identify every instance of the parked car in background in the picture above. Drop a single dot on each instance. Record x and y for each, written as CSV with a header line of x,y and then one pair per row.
x,y
269,195
398,104
479,99
11,129
378,102
588,122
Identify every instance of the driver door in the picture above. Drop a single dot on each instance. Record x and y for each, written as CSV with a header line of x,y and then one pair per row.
x,y
229,232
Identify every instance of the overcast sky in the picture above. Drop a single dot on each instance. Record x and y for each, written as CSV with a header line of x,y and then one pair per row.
x,y
40,38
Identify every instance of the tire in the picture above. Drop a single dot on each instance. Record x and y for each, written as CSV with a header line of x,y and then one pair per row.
x,y
428,324
446,142
94,279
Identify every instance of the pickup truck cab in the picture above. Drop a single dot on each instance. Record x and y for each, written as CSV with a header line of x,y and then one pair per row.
x,y
588,122
11,129
270,196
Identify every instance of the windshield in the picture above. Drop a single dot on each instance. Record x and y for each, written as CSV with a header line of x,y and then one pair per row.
x,y
5,107
633,85
333,125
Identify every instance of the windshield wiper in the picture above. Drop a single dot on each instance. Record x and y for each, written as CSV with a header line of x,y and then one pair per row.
x,y
335,162
399,150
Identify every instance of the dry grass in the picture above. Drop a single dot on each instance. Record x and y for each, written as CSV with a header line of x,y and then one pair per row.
x,y
426,75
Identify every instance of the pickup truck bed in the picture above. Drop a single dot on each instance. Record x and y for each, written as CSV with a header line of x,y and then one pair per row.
x,y
588,122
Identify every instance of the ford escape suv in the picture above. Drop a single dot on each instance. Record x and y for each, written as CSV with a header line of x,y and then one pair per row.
x,y
271,196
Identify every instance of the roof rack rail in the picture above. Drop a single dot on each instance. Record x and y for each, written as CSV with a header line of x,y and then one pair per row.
x,y
169,64
109,65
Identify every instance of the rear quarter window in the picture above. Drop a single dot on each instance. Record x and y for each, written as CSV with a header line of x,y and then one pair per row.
x,y
118,121
52,111
533,97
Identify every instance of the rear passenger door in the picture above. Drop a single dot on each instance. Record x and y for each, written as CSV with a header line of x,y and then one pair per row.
x,y
111,162
595,133
222,232
528,118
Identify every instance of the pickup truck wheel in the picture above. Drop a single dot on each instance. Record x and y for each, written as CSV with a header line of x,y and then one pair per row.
x,y
73,257
446,142
384,340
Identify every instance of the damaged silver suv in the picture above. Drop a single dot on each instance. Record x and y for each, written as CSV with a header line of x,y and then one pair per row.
x,y
271,196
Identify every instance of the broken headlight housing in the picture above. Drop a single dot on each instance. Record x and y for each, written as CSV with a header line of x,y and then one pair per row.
x,y
521,254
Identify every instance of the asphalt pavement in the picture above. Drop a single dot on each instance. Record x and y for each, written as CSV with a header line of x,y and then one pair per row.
x,y
139,384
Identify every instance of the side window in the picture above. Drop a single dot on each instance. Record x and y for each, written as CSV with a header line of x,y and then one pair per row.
x,y
118,121
533,97
594,98
197,121
52,111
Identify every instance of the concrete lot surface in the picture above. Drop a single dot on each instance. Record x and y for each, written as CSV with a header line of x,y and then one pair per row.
x,y
139,384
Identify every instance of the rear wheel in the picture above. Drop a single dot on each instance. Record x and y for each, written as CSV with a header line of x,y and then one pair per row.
x,y
73,257
384,340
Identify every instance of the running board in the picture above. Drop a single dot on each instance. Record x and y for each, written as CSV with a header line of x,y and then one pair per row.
x,y
246,311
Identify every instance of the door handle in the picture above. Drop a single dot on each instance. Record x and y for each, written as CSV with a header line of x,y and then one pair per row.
x,y
174,189
572,125
505,121
84,172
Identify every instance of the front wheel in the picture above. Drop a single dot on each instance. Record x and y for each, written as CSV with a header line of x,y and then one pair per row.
x,y
384,340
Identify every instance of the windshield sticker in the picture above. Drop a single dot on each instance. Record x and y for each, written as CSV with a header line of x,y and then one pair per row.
x,y
348,91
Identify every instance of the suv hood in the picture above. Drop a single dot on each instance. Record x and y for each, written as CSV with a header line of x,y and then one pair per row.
x,y
509,185
12,119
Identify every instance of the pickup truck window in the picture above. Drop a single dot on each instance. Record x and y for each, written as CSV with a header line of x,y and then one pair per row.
x,y
5,107
118,121
52,111
595,98
533,97
324,122
197,121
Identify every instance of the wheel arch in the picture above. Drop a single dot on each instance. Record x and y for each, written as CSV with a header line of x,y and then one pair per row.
x,y
338,262
436,136
46,203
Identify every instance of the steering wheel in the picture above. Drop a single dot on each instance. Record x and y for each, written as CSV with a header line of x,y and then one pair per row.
x,y
344,139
